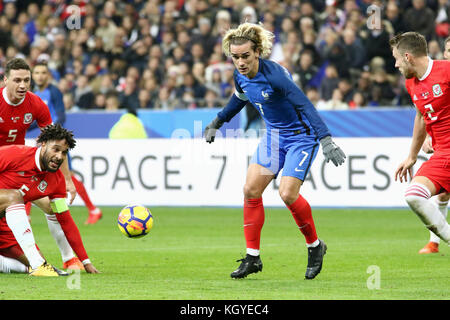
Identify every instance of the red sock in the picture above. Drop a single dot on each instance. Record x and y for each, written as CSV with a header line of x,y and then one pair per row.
x,y
81,190
301,211
28,208
253,222
72,234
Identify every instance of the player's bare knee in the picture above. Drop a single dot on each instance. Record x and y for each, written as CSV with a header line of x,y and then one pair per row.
x,y
250,192
288,196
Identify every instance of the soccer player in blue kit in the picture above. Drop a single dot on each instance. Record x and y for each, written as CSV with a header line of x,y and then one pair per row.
x,y
294,130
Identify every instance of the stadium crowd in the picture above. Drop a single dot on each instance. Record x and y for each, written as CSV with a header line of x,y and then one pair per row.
x,y
167,54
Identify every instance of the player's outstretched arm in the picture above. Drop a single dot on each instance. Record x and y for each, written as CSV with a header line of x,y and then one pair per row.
x,y
234,105
404,169
331,151
211,129
419,135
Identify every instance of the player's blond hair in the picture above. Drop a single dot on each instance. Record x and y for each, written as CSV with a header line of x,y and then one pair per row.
x,y
260,37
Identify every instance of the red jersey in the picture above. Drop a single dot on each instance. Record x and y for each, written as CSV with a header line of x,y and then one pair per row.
x,y
16,119
20,169
431,96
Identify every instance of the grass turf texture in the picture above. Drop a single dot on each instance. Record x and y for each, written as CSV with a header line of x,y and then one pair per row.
x,y
190,253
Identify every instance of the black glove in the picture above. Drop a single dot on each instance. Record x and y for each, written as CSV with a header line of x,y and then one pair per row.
x,y
331,151
210,130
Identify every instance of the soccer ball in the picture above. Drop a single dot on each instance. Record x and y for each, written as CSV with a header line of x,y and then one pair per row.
x,y
135,221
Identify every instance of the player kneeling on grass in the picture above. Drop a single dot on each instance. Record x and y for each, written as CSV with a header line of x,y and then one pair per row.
x,y
30,173
294,133
13,260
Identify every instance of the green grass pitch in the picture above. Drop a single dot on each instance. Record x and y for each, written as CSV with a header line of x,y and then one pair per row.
x,y
190,252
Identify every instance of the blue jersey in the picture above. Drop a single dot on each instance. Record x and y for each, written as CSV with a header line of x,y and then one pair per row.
x,y
54,100
281,103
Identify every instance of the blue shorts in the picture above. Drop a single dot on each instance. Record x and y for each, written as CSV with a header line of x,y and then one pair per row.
x,y
294,153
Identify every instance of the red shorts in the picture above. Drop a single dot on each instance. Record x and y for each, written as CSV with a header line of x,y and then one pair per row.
x,y
437,169
7,238
9,247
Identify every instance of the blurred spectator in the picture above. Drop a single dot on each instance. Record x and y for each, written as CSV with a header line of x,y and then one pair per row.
x,y
100,101
106,30
128,98
420,18
332,50
312,94
144,98
197,53
375,97
358,101
364,85
381,81
346,88
307,10
443,19
84,97
333,17
165,100
375,42
69,103
168,42
329,82
172,49
248,14
137,55
198,71
222,23
131,30
309,43
434,50
355,53
211,99
335,103
190,85
5,33
112,102
215,83
305,69
392,15
204,36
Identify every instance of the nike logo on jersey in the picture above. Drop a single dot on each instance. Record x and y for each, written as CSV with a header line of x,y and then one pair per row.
x,y
299,170
265,95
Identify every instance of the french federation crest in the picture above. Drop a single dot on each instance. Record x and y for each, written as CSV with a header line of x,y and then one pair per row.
x,y
42,186
27,118
437,91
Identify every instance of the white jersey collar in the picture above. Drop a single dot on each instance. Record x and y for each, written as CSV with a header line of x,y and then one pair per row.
x,y
430,66
5,96
36,158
